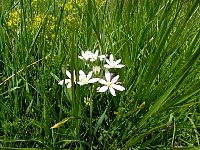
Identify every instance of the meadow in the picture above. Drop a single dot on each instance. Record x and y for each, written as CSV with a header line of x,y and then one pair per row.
x,y
100,74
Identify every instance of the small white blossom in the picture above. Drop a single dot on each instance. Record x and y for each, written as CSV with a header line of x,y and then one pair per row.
x,y
68,81
86,79
110,84
113,64
86,55
96,69
102,57
94,56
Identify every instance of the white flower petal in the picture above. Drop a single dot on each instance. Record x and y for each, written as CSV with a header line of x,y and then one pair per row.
x,y
81,72
94,56
102,57
69,85
102,89
80,83
112,91
119,66
67,81
118,87
92,59
80,57
107,75
111,57
96,53
86,55
82,53
68,74
61,82
102,81
107,61
89,75
107,66
93,80
118,61
114,80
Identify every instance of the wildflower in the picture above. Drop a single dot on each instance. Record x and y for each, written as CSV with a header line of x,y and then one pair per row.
x,y
86,55
38,20
110,84
71,20
113,64
14,18
68,81
34,2
86,79
68,6
96,69
94,56
100,2
102,57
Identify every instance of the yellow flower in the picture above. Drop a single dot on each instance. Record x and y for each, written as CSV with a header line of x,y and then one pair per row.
x,y
33,2
100,2
68,6
71,5
80,3
37,20
14,18
71,21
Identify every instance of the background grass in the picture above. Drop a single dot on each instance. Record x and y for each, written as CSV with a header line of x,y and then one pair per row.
x,y
158,41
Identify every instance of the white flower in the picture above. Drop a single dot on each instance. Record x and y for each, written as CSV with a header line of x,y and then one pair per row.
x,y
113,64
102,57
68,81
86,79
86,55
96,69
110,84
94,56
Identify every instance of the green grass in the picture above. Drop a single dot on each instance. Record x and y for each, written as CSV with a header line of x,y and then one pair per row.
x,y
159,44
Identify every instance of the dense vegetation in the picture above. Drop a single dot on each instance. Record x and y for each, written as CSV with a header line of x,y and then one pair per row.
x,y
158,41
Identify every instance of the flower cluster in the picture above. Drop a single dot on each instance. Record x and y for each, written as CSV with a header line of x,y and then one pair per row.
x,y
109,83
13,20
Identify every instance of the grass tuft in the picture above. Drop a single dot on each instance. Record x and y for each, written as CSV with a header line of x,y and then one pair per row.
x,y
157,41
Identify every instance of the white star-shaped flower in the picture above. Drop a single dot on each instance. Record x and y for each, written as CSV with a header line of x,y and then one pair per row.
x,y
110,84
86,79
94,56
86,55
113,64
68,81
